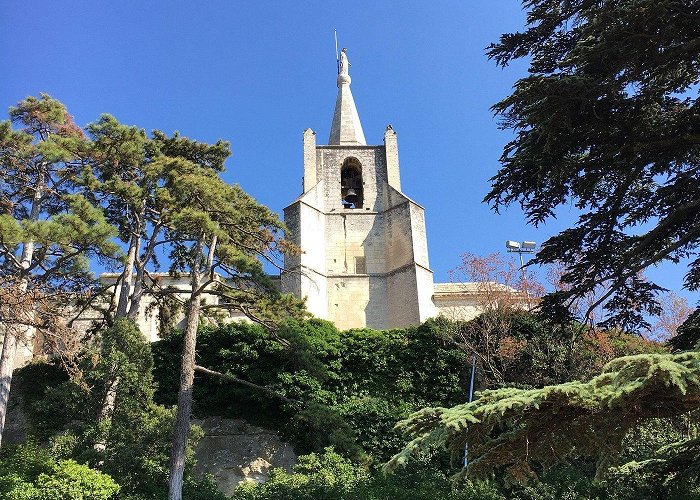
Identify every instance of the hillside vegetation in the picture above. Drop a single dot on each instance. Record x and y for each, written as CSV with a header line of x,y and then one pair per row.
x,y
337,397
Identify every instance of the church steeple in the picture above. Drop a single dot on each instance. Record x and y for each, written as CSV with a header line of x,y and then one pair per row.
x,y
364,252
346,128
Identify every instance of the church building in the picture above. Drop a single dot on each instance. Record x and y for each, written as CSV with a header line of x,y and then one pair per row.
x,y
364,251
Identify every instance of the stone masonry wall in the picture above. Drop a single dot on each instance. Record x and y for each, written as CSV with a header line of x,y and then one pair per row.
x,y
358,266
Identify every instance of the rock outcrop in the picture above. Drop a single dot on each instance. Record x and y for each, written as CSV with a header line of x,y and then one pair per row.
x,y
233,451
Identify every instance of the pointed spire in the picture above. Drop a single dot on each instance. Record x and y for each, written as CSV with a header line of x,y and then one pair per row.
x,y
346,127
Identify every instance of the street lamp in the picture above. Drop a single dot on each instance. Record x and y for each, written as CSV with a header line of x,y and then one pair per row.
x,y
520,249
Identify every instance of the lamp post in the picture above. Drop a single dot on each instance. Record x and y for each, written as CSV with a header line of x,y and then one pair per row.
x,y
471,398
520,249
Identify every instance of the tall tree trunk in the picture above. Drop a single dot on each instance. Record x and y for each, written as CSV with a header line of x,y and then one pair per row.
x,y
184,397
141,263
129,306
137,295
128,303
14,332
104,419
7,365
127,276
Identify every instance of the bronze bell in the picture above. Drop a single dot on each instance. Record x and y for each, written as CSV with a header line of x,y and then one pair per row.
x,y
351,196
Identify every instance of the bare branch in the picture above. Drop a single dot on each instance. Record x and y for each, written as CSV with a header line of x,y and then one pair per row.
x,y
236,380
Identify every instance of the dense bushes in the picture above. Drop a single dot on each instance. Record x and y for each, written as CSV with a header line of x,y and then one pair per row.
x,y
328,476
348,389
354,386
64,417
32,473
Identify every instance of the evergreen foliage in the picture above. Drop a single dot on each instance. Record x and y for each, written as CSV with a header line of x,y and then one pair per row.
x,y
137,437
64,199
661,453
329,476
317,385
688,334
48,232
41,206
72,480
510,428
352,387
349,389
607,120
212,229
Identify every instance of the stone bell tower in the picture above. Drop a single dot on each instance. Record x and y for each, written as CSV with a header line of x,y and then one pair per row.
x,y
364,253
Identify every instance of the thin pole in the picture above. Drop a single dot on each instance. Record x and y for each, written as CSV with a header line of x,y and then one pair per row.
x,y
525,284
471,397
337,57
471,381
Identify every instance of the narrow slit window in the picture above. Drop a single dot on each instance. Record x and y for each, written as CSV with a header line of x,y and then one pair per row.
x,y
360,265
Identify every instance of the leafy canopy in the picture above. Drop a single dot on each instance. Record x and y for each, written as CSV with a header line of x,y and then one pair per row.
x,y
30,472
63,414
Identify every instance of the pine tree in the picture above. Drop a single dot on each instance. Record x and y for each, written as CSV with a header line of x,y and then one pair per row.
x,y
125,179
607,120
217,234
48,231
116,181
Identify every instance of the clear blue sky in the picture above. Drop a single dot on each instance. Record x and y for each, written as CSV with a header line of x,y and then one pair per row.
x,y
258,73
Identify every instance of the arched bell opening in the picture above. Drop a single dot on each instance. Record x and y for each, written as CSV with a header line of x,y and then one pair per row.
x,y
351,185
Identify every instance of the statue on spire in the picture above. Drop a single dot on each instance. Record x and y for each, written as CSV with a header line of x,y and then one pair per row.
x,y
344,67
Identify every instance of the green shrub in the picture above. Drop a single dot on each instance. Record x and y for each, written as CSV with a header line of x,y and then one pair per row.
x,y
329,476
315,476
138,435
353,386
71,481
29,472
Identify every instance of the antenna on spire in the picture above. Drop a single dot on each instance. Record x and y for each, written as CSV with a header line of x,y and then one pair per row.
x,y
337,57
